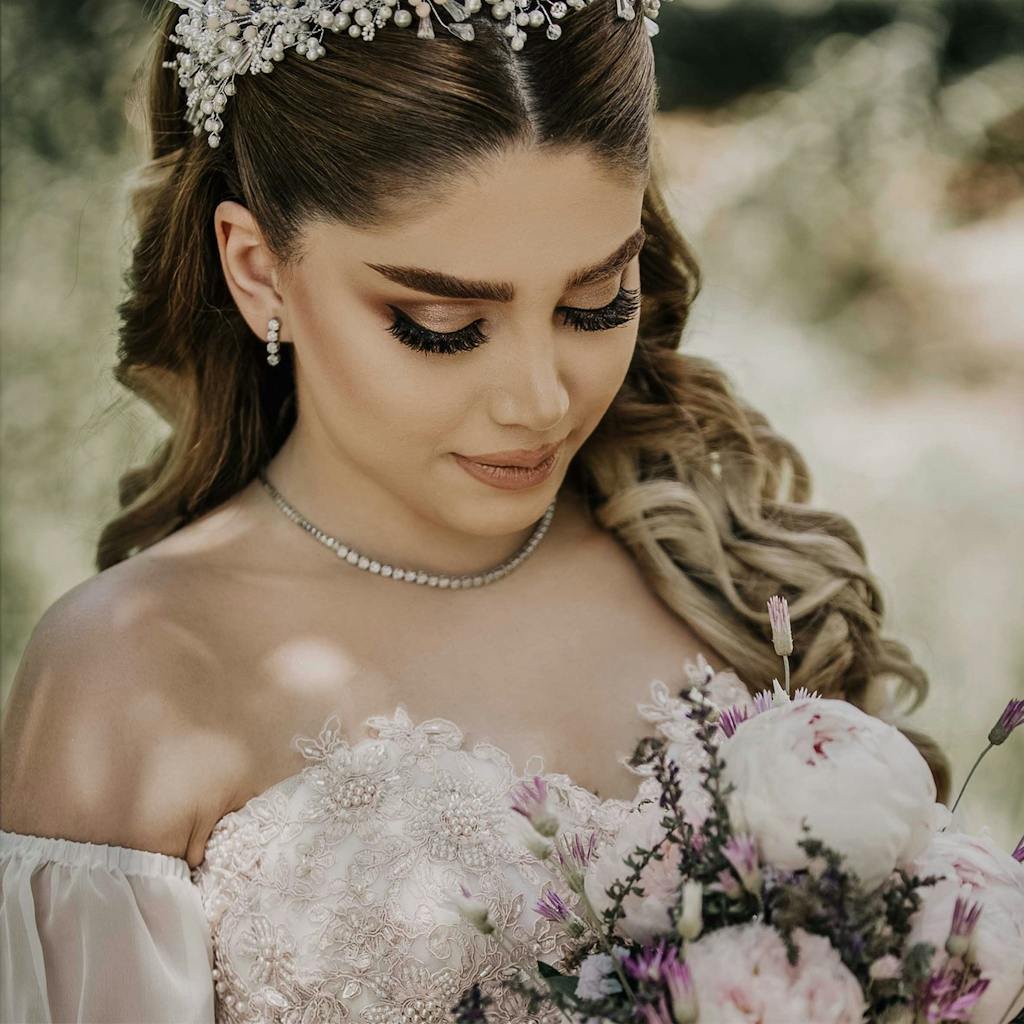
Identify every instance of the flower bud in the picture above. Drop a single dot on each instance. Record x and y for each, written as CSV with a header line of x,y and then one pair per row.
x,y
474,911
778,616
691,921
540,847
530,800
885,968
961,931
1012,716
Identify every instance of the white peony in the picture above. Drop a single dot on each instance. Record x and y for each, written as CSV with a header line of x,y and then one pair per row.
x,y
645,917
742,976
975,868
858,782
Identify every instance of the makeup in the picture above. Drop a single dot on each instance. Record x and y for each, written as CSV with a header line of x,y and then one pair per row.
x,y
510,478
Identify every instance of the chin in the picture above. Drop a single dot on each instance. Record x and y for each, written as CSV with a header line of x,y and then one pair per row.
x,y
497,513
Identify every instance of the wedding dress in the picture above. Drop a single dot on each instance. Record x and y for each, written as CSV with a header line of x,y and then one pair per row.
x,y
323,899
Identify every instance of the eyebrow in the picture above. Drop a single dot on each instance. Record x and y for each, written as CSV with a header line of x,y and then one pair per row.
x,y
433,282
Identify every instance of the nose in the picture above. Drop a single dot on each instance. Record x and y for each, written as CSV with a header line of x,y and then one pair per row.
x,y
531,391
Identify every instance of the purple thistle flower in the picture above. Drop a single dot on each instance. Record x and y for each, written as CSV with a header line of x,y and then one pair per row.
x,y
682,993
732,718
965,917
574,854
1012,716
529,795
1018,853
961,1008
552,907
766,699
802,693
944,997
741,853
646,965
580,850
656,1013
660,965
530,799
778,616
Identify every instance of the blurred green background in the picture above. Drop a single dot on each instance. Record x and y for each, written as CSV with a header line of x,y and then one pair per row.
x,y
851,175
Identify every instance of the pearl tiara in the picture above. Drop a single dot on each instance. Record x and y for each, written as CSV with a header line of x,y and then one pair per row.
x,y
219,39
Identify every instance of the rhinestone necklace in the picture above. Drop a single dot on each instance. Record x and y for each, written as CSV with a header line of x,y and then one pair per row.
x,y
353,557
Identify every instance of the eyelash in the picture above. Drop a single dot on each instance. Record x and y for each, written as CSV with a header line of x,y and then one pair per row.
x,y
619,311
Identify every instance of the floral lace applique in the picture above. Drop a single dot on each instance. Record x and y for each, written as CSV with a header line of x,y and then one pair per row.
x,y
328,894
668,713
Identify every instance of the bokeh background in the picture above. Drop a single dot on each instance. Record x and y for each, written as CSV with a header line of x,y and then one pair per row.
x,y
851,175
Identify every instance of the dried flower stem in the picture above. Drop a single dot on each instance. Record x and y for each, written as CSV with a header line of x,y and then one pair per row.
x,y
968,779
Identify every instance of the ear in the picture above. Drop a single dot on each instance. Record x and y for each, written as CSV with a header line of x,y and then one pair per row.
x,y
249,268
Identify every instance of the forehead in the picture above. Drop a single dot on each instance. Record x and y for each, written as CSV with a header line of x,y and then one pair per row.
x,y
521,218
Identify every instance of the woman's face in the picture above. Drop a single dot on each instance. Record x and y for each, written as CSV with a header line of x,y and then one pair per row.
x,y
497,320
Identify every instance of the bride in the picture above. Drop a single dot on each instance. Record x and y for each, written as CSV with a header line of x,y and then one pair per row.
x,y
440,499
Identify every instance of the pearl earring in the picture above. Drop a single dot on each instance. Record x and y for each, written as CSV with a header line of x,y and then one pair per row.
x,y
273,326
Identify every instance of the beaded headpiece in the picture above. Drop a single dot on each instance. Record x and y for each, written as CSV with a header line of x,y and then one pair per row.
x,y
219,39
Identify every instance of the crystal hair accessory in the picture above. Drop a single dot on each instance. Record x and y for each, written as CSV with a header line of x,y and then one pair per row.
x,y
219,39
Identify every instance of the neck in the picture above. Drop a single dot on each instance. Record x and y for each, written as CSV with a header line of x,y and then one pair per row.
x,y
338,498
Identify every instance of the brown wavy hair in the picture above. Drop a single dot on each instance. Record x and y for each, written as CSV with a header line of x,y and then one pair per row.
x,y
710,500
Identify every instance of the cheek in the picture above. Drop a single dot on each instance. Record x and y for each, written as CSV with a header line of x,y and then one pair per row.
x,y
600,371
367,385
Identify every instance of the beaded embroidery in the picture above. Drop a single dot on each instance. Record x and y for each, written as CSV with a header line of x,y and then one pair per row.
x,y
326,895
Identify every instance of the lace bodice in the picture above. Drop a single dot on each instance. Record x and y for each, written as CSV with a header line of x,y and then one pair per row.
x,y
326,898
328,895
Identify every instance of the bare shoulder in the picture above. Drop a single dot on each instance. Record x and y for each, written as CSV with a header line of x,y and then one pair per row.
x,y
98,731
601,565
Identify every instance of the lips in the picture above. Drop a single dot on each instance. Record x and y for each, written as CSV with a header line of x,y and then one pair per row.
x,y
526,458
511,478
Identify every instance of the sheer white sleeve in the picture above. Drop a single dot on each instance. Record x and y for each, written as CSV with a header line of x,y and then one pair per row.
x,y
97,933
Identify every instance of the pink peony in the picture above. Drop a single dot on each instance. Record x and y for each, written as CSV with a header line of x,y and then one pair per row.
x,y
645,917
742,976
858,782
974,868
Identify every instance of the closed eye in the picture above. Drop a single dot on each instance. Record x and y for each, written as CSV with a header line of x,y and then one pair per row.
x,y
619,311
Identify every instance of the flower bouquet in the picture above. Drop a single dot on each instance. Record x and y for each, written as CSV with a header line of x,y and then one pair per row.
x,y
804,874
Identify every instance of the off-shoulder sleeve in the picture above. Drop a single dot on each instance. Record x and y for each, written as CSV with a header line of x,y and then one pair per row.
x,y
90,932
